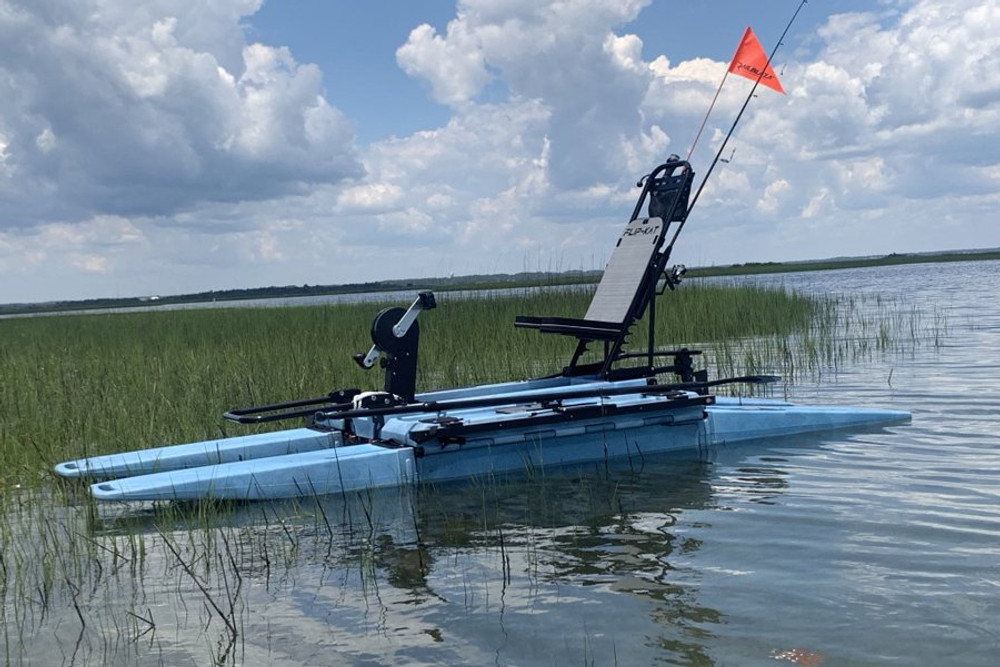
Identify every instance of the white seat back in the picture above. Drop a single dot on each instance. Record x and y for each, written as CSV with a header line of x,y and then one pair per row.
x,y
625,270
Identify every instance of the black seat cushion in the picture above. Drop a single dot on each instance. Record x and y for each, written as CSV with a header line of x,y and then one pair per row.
x,y
584,329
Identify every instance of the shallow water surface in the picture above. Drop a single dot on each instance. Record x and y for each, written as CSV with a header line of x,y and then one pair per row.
x,y
848,548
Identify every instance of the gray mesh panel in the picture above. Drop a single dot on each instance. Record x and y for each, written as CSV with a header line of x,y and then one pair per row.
x,y
625,270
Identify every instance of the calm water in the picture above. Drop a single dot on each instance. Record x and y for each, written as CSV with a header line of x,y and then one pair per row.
x,y
867,548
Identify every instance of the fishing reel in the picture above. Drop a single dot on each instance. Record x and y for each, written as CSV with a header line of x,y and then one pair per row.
x,y
671,278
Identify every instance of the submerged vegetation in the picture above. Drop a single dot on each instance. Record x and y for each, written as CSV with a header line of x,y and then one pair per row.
x,y
173,584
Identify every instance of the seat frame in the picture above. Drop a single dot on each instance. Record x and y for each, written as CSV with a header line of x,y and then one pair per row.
x,y
635,275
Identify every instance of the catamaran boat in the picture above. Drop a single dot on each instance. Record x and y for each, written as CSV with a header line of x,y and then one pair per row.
x,y
623,405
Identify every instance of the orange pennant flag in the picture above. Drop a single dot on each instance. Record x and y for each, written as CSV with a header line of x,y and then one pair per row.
x,y
749,60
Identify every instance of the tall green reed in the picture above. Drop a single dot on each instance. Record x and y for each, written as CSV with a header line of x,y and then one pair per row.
x,y
78,385
82,384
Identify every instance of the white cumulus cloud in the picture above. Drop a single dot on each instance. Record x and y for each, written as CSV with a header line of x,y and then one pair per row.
x,y
154,145
154,107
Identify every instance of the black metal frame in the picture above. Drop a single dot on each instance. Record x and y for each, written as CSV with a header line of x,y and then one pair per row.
x,y
457,432
668,188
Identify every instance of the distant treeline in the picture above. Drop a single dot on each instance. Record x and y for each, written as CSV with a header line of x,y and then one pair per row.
x,y
488,281
491,281
751,268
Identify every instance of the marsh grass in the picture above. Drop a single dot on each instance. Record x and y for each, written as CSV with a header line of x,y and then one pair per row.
x,y
124,588
844,331
79,385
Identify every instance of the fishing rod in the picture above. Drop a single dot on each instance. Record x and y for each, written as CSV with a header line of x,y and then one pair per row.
x,y
380,404
746,102
542,398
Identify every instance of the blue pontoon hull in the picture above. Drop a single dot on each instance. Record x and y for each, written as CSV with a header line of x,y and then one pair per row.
x,y
461,444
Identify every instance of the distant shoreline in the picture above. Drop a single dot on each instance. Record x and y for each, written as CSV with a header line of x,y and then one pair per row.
x,y
484,282
892,259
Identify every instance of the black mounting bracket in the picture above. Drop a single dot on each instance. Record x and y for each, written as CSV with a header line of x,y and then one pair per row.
x,y
396,334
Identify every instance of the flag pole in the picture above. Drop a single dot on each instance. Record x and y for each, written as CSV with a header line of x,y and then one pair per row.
x,y
732,129
708,113
714,100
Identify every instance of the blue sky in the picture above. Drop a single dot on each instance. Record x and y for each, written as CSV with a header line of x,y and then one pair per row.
x,y
355,43
173,146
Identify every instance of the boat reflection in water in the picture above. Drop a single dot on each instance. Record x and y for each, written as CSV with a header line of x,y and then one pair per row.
x,y
478,571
